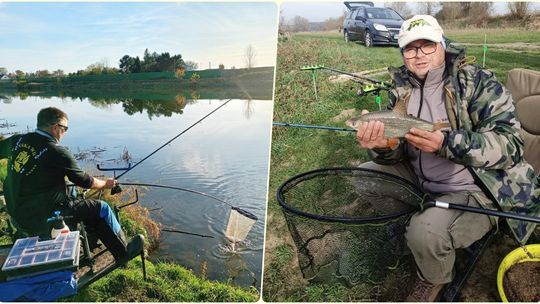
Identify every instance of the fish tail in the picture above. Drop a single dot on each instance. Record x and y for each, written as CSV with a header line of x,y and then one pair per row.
x,y
392,143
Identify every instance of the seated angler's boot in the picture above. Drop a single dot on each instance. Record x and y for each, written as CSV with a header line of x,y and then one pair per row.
x,y
423,291
134,248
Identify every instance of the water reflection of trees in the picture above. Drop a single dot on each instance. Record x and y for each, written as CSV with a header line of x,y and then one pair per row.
x,y
153,107
248,110
155,104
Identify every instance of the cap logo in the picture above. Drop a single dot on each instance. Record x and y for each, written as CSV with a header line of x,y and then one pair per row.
x,y
418,22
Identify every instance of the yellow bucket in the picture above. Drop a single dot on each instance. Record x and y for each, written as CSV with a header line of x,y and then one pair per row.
x,y
518,255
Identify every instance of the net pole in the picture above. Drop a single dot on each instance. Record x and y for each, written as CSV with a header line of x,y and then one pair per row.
x,y
509,215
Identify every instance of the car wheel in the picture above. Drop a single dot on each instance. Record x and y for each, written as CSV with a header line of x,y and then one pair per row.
x,y
346,36
368,40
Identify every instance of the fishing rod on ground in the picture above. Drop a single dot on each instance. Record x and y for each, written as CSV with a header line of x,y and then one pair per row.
x,y
360,77
371,85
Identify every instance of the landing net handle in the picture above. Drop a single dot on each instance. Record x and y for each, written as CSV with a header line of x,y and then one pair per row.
x,y
292,182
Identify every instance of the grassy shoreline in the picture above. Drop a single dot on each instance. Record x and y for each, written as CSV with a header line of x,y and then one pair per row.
x,y
255,83
166,282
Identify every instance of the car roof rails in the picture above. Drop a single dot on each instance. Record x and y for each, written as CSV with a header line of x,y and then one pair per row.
x,y
351,5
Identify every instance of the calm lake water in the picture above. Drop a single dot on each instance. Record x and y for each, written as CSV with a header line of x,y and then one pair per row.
x,y
226,155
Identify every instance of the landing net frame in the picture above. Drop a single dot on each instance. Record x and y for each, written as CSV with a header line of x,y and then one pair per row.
x,y
344,236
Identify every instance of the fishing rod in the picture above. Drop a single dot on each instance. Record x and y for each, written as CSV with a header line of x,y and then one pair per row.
x,y
240,210
509,215
284,124
179,189
185,232
172,139
116,189
242,216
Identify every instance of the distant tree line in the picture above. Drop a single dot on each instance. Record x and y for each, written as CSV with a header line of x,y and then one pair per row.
x,y
473,13
151,62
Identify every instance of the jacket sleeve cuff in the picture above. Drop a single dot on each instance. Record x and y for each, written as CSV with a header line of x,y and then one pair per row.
x,y
443,151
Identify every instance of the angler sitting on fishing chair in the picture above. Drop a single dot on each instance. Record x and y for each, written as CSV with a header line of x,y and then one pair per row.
x,y
35,186
478,162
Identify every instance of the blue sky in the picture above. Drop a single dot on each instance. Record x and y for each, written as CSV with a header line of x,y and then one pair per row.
x,y
71,36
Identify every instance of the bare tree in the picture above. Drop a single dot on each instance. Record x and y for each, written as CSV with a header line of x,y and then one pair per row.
x,y
450,11
334,23
300,24
191,65
479,12
428,8
282,27
249,56
476,13
401,7
518,10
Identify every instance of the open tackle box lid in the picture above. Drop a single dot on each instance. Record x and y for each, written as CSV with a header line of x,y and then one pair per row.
x,y
29,257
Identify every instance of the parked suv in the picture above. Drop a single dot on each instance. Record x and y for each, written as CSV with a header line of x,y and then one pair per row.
x,y
372,25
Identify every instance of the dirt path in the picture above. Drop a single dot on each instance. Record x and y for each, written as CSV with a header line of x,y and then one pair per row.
x,y
514,45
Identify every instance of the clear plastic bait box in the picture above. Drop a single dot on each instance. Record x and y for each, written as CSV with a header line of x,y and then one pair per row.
x,y
28,256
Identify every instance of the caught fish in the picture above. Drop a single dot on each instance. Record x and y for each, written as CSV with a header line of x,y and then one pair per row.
x,y
396,124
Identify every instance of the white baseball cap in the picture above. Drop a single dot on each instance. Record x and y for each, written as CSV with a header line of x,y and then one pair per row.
x,y
420,27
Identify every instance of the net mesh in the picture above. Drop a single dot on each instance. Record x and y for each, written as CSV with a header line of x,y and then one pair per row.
x,y
348,226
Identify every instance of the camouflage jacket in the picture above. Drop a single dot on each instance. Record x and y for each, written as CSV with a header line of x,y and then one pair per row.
x,y
485,137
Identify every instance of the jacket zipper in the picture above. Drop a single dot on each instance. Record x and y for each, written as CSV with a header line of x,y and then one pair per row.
x,y
420,154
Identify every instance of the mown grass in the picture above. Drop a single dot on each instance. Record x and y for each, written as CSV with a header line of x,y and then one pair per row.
x,y
165,283
494,35
295,151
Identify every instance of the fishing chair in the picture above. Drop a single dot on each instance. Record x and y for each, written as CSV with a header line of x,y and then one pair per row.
x,y
93,249
524,85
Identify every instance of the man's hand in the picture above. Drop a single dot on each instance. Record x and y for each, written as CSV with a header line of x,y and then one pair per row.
x,y
426,141
103,184
371,134
110,183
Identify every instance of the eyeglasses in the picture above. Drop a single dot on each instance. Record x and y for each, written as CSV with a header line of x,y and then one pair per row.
x,y
426,48
63,127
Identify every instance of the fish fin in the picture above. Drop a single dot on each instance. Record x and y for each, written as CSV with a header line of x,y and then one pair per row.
x,y
440,125
353,122
400,108
392,143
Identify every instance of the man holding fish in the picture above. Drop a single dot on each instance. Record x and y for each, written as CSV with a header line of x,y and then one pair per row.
x,y
451,130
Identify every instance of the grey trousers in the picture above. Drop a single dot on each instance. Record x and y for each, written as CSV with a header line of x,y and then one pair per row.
x,y
434,234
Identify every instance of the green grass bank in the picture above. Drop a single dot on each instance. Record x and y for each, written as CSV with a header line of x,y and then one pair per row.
x,y
254,83
166,282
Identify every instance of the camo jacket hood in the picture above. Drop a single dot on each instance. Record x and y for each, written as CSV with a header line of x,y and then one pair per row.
x,y
485,136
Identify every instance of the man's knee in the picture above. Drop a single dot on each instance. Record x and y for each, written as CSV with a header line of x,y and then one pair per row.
x,y
426,236
107,214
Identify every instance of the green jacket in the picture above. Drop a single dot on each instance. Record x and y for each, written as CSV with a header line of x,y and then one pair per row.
x,y
485,137
35,185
